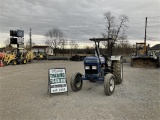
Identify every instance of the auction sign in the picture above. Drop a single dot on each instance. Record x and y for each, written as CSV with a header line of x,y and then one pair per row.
x,y
57,81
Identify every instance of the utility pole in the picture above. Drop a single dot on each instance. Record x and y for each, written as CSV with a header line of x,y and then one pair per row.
x,y
145,37
145,31
30,38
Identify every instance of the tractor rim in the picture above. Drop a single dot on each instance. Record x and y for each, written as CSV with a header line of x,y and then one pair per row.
x,y
78,84
112,84
78,81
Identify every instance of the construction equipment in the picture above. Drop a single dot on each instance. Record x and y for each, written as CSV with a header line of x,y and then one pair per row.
x,y
29,56
97,68
143,58
23,57
8,58
39,56
14,59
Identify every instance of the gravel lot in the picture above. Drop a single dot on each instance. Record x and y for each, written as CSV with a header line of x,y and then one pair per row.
x,y
24,96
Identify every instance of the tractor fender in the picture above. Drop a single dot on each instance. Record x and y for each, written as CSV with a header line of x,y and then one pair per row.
x,y
116,58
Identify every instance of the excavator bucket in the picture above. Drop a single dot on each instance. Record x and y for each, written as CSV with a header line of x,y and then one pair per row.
x,y
144,63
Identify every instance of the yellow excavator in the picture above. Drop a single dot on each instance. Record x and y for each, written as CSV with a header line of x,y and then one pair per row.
x,y
143,58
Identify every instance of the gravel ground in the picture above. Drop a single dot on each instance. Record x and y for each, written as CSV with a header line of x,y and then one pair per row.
x,y
24,96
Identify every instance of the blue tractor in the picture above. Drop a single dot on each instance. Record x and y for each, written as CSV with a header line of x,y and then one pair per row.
x,y
97,68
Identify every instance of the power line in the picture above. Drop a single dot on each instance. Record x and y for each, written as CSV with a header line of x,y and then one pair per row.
x,y
156,17
136,22
135,27
154,25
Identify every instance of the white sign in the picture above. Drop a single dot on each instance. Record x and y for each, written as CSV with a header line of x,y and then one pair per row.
x,y
20,33
20,41
57,80
21,46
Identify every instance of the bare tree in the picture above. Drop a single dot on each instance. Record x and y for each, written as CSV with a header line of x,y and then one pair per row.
x,y
73,45
28,44
7,43
123,39
53,38
114,28
76,46
63,44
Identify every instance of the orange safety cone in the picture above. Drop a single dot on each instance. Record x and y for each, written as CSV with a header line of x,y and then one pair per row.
x,y
1,63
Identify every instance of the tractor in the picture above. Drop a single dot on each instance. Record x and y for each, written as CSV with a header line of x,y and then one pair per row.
x,y
99,68
24,57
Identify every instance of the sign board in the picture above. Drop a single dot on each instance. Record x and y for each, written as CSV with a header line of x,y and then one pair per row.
x,y
13,40
20,33
13,33
21,46
57,81
20,41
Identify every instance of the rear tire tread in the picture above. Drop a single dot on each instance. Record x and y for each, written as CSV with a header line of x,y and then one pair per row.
x,y
117,71
107,79
73,80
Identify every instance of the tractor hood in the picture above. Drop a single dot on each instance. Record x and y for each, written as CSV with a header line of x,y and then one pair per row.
x,y
94,60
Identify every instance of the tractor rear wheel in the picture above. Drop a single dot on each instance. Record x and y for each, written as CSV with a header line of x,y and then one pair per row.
x,y
76,82
109,84
118,71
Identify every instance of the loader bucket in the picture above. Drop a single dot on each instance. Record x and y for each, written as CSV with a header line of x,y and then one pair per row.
x,y
144,63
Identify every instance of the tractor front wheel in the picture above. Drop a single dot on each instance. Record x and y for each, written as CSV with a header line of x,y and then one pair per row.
x,y
109,84
76,82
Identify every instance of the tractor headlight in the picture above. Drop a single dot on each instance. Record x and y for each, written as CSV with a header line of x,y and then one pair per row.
x,y
87,67
94,67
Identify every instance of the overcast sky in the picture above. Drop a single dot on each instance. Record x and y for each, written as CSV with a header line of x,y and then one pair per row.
x,y
78,19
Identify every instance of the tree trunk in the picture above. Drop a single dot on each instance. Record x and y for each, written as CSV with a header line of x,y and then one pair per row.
x,y
63,52
111,49
55,51
71,52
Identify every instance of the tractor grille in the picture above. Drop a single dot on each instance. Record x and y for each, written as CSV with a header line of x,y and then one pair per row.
x,y
91,71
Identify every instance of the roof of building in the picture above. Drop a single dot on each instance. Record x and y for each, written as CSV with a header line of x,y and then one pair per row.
x,y
40,46
155,47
